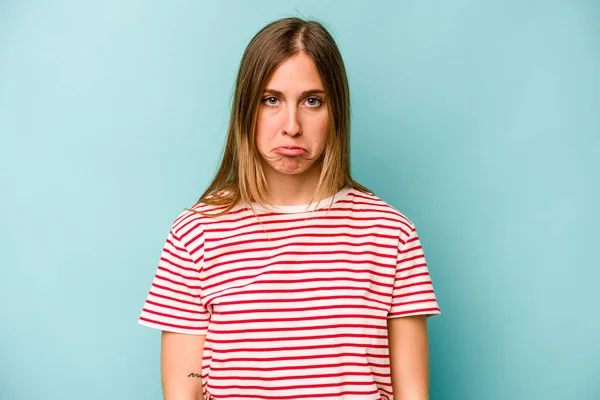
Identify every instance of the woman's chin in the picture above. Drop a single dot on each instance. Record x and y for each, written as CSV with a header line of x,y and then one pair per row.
x,y
293,168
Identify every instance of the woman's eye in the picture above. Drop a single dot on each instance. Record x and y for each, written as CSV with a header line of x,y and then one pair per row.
x,y
314,101
268,101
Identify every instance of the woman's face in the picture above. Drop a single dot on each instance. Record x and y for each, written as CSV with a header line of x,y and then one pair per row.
x,y
292,118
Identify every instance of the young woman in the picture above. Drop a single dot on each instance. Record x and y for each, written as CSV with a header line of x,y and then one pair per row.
x,y
288,279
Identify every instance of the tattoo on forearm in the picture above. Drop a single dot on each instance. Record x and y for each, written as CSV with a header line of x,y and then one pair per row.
x,y
194,375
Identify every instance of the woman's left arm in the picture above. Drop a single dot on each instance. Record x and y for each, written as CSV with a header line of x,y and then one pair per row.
x,y
409,357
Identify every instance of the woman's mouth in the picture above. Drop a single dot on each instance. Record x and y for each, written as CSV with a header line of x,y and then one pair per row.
x,y
290,151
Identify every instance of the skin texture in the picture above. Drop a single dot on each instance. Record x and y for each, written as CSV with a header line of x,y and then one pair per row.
x,y
409,357
181,365
289,117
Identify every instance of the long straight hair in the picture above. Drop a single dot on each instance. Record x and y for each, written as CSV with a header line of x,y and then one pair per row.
x,y
240,177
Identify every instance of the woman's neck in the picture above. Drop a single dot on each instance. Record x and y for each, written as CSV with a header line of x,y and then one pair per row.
x,y
292,190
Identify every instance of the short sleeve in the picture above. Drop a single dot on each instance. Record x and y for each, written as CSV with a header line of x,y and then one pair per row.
x,y
174,302
413,292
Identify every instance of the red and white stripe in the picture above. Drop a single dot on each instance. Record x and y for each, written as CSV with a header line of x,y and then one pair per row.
x,y
298,312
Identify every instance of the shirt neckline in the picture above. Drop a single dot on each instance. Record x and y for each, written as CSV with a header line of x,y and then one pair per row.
x,y
300,208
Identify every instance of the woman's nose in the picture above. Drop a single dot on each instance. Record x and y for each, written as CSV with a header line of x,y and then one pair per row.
x,y
292,124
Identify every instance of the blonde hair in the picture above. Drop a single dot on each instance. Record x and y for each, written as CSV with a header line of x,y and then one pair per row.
x,y
240,176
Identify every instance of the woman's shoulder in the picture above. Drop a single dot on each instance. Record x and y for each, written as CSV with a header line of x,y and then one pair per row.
x,y
205,212
193,218
369,201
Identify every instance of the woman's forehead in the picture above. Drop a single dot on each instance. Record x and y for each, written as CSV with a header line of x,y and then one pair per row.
x,y
296,74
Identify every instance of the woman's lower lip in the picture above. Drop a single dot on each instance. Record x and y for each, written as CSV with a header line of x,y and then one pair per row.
x,y
289,152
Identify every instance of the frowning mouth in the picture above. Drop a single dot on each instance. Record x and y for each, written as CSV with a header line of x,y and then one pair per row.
x,y
290,151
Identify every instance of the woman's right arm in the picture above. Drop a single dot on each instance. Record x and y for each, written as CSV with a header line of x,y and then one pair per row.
x,y
181,365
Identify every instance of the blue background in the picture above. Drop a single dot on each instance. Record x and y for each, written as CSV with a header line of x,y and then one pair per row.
x,y
478,120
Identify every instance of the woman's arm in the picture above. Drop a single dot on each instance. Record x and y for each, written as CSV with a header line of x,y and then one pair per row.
x,y
409,357
181,365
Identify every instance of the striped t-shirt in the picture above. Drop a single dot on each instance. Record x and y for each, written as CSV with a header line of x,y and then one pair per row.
x,y
295,308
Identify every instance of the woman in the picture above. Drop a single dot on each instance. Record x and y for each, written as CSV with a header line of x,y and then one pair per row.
x,y
288,279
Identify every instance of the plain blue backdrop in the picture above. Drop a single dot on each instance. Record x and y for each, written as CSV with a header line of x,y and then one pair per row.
x,y
479,120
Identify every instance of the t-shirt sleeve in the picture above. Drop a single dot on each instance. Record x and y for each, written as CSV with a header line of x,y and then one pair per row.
x,y
174,302
413,292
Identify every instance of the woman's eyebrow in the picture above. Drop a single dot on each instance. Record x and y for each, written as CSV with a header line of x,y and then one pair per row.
x,y
304,93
